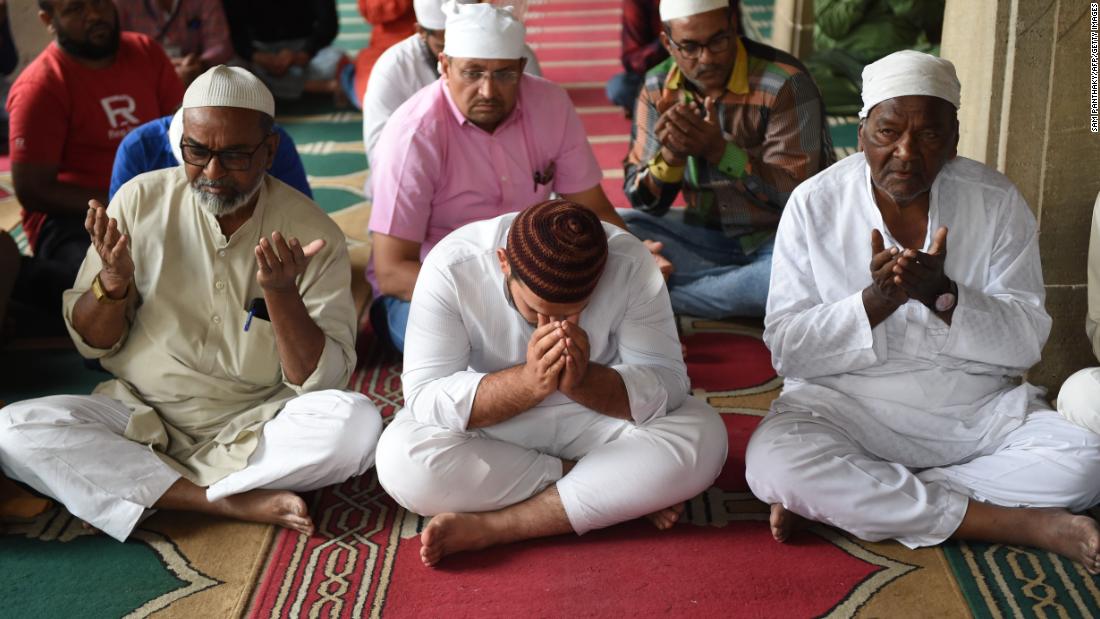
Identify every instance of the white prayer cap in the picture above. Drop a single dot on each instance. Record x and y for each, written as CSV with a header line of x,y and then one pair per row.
x,y
1078,401
675,9
482,31
223,86
429,14
909,73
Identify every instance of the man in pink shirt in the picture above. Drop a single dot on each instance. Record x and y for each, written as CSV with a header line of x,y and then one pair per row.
x,y
484,140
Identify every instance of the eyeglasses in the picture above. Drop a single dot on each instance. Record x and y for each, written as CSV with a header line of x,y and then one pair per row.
x,y
233,160
690,49
503,76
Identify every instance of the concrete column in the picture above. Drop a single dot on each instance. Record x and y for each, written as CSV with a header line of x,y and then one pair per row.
x,y
1024,67
793,27
27,31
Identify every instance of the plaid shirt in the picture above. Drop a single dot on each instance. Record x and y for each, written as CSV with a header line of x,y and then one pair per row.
x,y
774,122
192,27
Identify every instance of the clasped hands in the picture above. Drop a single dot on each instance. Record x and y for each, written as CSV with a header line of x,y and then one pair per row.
x,y
557,357
690,129
280,262
898,275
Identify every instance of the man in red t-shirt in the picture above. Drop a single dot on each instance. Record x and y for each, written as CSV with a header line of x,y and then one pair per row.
x,y
69,110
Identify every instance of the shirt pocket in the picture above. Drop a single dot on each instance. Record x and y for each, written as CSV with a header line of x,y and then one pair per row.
x,y
259,356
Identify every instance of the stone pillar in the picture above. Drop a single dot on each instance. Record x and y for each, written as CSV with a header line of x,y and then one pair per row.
x,y
793,27
27,31
1024,67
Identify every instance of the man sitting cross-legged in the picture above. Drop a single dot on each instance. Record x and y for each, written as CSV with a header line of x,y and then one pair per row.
x,y
545,391
903,414
229,339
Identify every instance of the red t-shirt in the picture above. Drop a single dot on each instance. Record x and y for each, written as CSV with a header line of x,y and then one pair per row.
x,y
67,114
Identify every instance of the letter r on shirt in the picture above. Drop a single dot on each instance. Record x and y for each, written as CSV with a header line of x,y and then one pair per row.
x,y
119,107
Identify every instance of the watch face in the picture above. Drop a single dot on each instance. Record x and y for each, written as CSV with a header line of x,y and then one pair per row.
x,y
945,302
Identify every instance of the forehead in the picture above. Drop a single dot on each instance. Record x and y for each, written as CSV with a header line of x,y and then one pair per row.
x,y
225,126
924,108
700,27
486,64
547,308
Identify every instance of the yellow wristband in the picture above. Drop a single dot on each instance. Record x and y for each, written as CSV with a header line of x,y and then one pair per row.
x,y
664,172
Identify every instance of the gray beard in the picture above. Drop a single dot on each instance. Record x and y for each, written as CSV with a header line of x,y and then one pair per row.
x,y
220,207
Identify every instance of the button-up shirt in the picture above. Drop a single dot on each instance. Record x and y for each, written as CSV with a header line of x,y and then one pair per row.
x,y
773,120
437,171
462,327
199,385
190,27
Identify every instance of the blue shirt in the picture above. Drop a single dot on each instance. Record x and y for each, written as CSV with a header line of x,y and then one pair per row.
x,y
147,148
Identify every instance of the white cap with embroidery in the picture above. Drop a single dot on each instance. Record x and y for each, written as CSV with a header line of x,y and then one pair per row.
x,y
223,86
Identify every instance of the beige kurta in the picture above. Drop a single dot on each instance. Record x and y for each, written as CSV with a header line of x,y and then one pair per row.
x,y
199,385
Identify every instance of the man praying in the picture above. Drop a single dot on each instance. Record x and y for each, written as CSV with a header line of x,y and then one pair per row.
x,y
906,303
545,392
220,299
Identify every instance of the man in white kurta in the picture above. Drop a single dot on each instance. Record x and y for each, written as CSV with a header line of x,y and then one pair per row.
x,y
466,329
1079,397
916,428
408,66
202,397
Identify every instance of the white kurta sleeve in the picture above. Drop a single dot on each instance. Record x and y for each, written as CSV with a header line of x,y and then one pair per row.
x,y
326,292
808,336
1092,319
439,387
1004,322
650,359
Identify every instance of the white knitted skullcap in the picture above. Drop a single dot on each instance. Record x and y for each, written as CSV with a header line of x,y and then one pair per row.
x,y
223,86
482,31
907,73
675,9
429,14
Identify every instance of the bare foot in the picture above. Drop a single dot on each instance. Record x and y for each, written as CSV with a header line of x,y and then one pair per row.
x,y
279,507
450,533
1075,537
784,522
664,518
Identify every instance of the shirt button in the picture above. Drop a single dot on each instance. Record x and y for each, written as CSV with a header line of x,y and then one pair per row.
x,y
219,285
221,253
217,319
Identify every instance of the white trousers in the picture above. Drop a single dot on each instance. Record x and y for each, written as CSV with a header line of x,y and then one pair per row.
x,y
623,471
810,465
71,448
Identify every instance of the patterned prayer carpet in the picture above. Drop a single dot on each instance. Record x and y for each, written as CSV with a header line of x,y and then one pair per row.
x,y
719,562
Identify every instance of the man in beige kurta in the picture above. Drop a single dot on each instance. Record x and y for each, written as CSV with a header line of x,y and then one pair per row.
x,y
213,407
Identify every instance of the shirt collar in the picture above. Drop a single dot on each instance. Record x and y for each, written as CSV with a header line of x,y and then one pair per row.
x,y
738,83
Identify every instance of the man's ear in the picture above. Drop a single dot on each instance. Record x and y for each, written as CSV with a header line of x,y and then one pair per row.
x,y
444,64
665,43
505,267
859,135
47,21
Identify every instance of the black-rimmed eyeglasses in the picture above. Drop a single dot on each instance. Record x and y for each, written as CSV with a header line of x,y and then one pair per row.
x,y
233,160
691,49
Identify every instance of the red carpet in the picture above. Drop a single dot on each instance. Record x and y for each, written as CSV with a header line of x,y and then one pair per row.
x,y
720,561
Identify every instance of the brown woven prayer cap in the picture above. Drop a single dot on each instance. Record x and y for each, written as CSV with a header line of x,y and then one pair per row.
x,y
558,249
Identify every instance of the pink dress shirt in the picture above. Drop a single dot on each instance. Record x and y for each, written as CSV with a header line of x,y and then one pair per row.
x,y
435,171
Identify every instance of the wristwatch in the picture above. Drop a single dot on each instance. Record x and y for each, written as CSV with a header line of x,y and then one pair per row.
x,y
101,293
946,301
